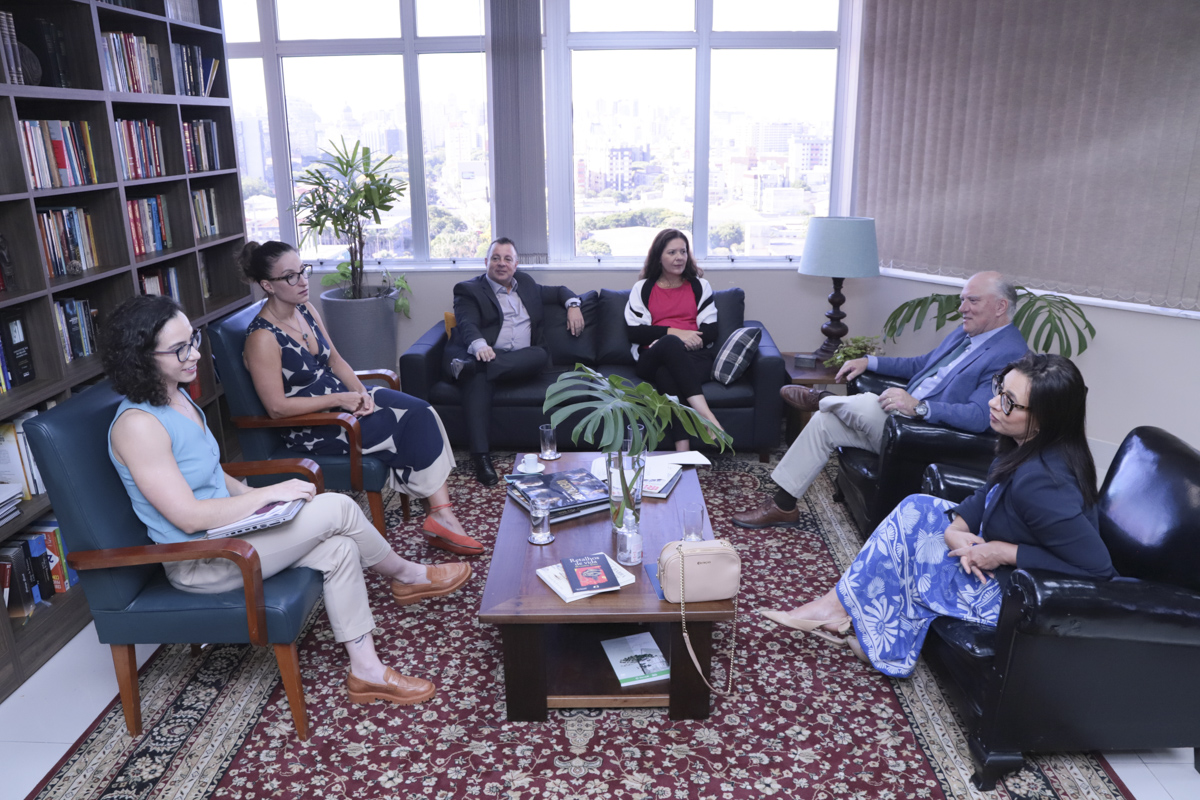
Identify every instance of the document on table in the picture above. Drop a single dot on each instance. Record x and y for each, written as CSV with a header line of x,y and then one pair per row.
x,y
661,471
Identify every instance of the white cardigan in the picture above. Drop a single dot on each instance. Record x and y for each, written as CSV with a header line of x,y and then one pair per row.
x,y
636,312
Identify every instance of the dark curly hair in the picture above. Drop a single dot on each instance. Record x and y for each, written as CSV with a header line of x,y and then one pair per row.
x,y
127,344
652,269
256,260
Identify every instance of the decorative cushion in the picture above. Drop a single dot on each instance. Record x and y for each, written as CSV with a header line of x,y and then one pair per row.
x,y
612,343
735,356
566,349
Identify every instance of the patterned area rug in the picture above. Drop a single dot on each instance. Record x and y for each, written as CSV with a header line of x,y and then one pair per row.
x,y
810,720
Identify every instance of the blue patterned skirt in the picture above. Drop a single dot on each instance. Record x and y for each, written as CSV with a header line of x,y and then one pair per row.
x,y
902,579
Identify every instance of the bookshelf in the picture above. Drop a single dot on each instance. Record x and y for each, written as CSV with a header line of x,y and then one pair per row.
x,y
201,267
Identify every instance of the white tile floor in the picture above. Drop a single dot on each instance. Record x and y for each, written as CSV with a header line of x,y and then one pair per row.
x,y
42,719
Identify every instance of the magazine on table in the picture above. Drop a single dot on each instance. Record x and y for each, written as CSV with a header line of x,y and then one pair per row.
x,y
661,474
636,659
555,577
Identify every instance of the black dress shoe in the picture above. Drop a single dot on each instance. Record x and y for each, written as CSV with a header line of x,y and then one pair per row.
x,y
485,473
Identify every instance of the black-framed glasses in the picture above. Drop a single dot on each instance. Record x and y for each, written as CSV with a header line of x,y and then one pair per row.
x,y
1007,404
184,351
293,278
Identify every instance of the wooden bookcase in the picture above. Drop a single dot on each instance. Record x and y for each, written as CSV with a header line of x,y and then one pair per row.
x,y
26,644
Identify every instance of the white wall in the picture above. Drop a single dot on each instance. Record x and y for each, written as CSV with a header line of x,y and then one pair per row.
x,y
1137,369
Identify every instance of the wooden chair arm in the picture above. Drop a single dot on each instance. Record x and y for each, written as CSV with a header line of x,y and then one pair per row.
x,y
345,420
305,467
240,552
386,375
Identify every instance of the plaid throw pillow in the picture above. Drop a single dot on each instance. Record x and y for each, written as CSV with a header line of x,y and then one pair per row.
x,y
735,355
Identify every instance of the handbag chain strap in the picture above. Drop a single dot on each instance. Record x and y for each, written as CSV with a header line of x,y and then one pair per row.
x,y
687,640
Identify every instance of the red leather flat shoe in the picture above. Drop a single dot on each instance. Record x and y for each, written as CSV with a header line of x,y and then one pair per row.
x,y
441,536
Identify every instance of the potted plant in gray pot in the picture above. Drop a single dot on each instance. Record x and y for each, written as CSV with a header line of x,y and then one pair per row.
x,y
625,421
343,193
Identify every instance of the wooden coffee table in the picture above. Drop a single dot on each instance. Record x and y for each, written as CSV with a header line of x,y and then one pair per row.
x,y
552,652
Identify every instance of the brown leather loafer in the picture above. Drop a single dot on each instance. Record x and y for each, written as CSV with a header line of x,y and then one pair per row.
x,y
767,515
396,688
443,579
802,397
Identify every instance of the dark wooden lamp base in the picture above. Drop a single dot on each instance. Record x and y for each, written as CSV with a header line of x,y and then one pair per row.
x,y
833,329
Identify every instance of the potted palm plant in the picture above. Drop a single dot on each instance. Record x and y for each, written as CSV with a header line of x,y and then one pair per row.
x,y
624,421
1045,320
342,194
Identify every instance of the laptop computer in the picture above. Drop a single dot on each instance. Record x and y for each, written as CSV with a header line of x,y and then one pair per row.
x,y
266,517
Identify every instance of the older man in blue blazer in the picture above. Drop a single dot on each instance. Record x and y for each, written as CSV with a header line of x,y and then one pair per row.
x,y
950,386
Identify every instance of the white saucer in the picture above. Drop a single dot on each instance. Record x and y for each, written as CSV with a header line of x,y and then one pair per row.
x,y
534,471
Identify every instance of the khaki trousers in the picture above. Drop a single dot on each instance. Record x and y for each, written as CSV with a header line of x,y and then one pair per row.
x,y
854,421
330,535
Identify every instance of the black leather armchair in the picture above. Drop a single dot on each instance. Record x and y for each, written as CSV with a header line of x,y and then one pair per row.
x,y
1077,665
872,484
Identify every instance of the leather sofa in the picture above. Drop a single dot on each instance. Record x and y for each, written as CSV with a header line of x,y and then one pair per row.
x,y
750,408
872,484
1076,664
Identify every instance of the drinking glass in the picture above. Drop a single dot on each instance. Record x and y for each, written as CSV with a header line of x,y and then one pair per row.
x,y
693,522
549,446
539,523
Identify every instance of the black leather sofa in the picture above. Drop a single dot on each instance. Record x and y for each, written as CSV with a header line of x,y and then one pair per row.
x,y
872,484
750,408
1079,665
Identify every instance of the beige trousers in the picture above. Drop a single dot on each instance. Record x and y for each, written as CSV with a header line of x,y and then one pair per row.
x,y
330,535
854,421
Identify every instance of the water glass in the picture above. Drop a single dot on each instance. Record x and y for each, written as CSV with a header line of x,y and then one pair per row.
x,y
549,446
539,523
693,522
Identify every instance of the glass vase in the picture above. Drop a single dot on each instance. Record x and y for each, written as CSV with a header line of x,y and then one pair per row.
x,y
625,473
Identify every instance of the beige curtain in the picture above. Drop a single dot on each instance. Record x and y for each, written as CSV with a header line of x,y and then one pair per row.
x,y
1057,141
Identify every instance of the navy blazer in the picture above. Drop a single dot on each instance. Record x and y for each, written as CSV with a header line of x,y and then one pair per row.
x,y
961,399
1040,509
477,312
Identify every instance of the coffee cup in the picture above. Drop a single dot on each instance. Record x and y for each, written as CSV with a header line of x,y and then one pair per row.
x,y
530,462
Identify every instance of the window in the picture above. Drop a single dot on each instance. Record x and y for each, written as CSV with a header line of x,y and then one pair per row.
x,y
252,137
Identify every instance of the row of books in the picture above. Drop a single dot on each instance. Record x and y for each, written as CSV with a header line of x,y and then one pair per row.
x,y
205,286
17,467
33,567
194,74
16,359
131,63
200,145
47,43
160,281
76,323
57,153
184,11
149,224
67,239
204,213
140,143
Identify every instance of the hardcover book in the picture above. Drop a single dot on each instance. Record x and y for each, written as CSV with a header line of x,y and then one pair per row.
x,y
556,578
16,348
23,589
39,558
561,490
590,574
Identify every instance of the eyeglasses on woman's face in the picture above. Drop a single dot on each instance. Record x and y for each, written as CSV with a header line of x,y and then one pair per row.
x,y
292,278
184,351
1007,403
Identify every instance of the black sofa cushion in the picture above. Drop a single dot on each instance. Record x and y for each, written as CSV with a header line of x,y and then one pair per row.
x,y
568,350
612,346
731,313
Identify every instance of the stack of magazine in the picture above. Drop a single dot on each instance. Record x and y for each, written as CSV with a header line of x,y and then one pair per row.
x,y
569,494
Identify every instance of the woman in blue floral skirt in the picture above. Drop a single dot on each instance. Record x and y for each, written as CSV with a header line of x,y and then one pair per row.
x,y
931,558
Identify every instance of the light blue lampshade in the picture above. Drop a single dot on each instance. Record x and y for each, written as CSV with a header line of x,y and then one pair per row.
x,y
840,247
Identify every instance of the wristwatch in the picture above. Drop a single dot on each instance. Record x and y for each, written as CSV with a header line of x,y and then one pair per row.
x,y
922,409
574,302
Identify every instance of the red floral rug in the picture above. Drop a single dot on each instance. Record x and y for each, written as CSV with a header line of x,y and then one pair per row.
x,y
810,721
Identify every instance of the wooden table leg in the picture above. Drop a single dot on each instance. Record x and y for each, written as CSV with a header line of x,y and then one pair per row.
x,y
524,671
689,692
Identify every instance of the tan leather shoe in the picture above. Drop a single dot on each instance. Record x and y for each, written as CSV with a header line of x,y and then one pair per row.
x,y
802,397
396,688
767,515
443,579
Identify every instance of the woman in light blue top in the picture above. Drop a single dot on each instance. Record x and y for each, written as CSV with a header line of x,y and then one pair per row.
x,y
170,465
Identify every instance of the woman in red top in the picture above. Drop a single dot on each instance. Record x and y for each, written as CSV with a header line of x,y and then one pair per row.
x,y
672,320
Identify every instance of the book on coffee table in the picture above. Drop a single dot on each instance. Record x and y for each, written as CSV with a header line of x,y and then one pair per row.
x,y
555,577
569,494
636,659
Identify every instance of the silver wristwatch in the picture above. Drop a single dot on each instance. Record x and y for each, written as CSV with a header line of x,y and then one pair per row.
x,y
922,409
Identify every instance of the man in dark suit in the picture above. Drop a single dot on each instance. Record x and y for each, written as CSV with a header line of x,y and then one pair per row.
x,y
498,336
950,386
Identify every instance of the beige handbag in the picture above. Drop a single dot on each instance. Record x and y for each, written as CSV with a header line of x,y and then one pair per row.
x,y
713,570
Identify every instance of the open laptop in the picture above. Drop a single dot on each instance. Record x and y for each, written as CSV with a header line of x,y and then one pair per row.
x,y
266,517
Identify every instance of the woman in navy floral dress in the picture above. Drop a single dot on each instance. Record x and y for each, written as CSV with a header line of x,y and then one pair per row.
x,y
931,558
297,370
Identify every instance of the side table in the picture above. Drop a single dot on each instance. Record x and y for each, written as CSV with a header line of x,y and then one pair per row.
x,y
819,375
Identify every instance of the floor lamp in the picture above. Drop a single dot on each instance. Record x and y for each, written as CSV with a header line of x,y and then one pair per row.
x,y
838,248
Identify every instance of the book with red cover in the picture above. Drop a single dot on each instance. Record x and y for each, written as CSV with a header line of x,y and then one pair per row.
x,y
590,573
